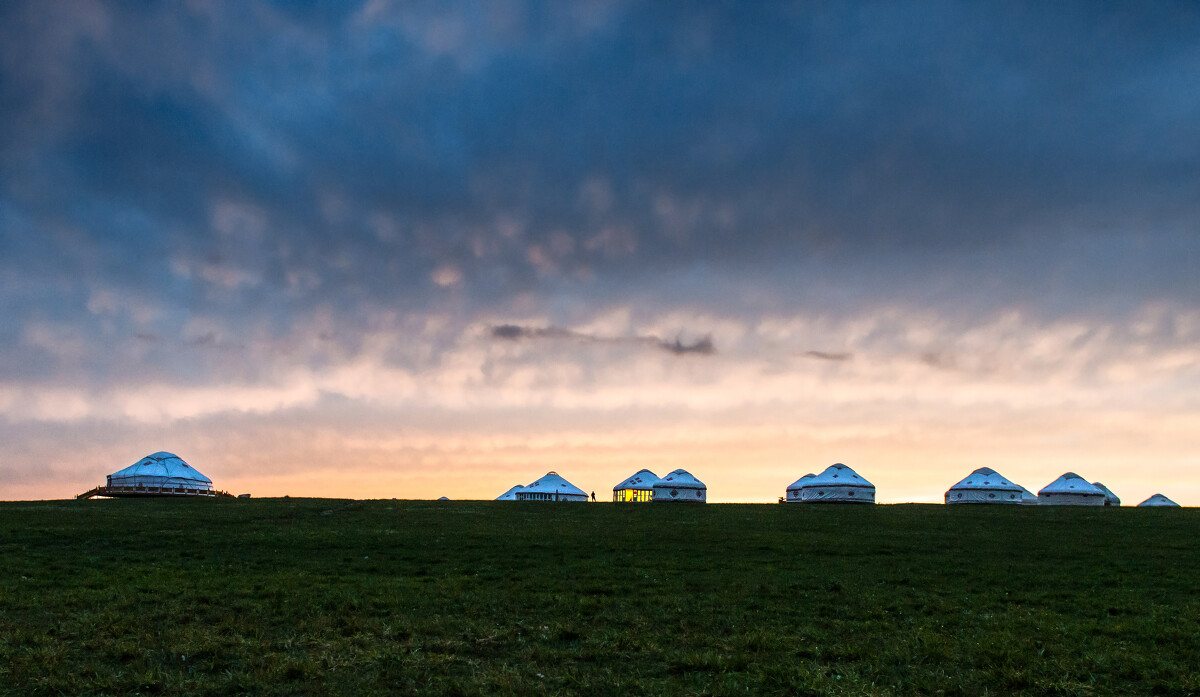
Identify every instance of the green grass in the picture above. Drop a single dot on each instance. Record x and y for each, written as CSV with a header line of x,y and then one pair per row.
x,y
313,597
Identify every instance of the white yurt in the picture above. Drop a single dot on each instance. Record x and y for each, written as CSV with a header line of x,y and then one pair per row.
x,y
160,474
837,484
1028,498
680,485
985,485
1159,500
551,487
1070,490
511,494
639,487
1110,499
793,491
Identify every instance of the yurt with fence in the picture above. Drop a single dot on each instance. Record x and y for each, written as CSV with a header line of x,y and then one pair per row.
x,y
837,484
680,485
1158,501
1071,490
985,485
160,474
792,495
551,487
638,488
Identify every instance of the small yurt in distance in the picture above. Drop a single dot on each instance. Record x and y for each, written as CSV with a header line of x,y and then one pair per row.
x,y
1110,499
639,487
985,485
680,485
793,492
1070,490
511,494
1158,500
837,484
551,487
160,474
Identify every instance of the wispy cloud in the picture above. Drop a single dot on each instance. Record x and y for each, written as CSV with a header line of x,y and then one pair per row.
x,y
702,346
829,356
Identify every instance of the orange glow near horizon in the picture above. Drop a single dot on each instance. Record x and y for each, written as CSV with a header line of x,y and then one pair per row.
x,y
738,464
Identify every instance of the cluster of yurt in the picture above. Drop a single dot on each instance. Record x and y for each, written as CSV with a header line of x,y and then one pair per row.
x,y
642,486
837,484
159,474
985,485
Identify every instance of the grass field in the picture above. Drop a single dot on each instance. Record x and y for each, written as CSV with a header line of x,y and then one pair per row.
x,y
313,597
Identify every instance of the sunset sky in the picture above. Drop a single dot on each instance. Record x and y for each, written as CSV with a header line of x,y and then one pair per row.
x,y
414,249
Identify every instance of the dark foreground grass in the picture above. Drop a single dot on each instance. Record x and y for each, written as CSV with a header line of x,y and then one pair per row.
x,y
318,597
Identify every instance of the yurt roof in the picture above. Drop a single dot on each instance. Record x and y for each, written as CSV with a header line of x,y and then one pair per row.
x,y
161,464
801,482
839,475
988,479
680,479
1108,494
511,494
1158,500
551,483
642,480
1070,483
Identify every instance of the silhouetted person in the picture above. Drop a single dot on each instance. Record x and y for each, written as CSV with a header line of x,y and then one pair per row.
x,y
593,496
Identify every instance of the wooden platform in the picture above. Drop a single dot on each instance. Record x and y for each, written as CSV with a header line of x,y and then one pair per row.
x,y
147,491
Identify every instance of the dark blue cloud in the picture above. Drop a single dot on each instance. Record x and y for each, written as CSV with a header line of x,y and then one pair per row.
x,y
264,161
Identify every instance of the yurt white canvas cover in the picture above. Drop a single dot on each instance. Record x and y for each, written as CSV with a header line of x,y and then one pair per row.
x,y
1070,490
793,491
837,484
1160,501
985,485
680,485
638,487
1110,499
162,473
551,487
511,494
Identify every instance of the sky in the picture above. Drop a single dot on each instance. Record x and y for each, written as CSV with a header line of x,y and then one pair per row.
x,y
413,249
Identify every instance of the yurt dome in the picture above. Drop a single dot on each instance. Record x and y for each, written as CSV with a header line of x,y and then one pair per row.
x,y
793,491
160,474
551,487
1160,501
1110,499
985,485
680,485
638,487
1070,490
837,484
511,494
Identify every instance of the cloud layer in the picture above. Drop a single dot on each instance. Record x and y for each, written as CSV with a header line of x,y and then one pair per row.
x,y
616,213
